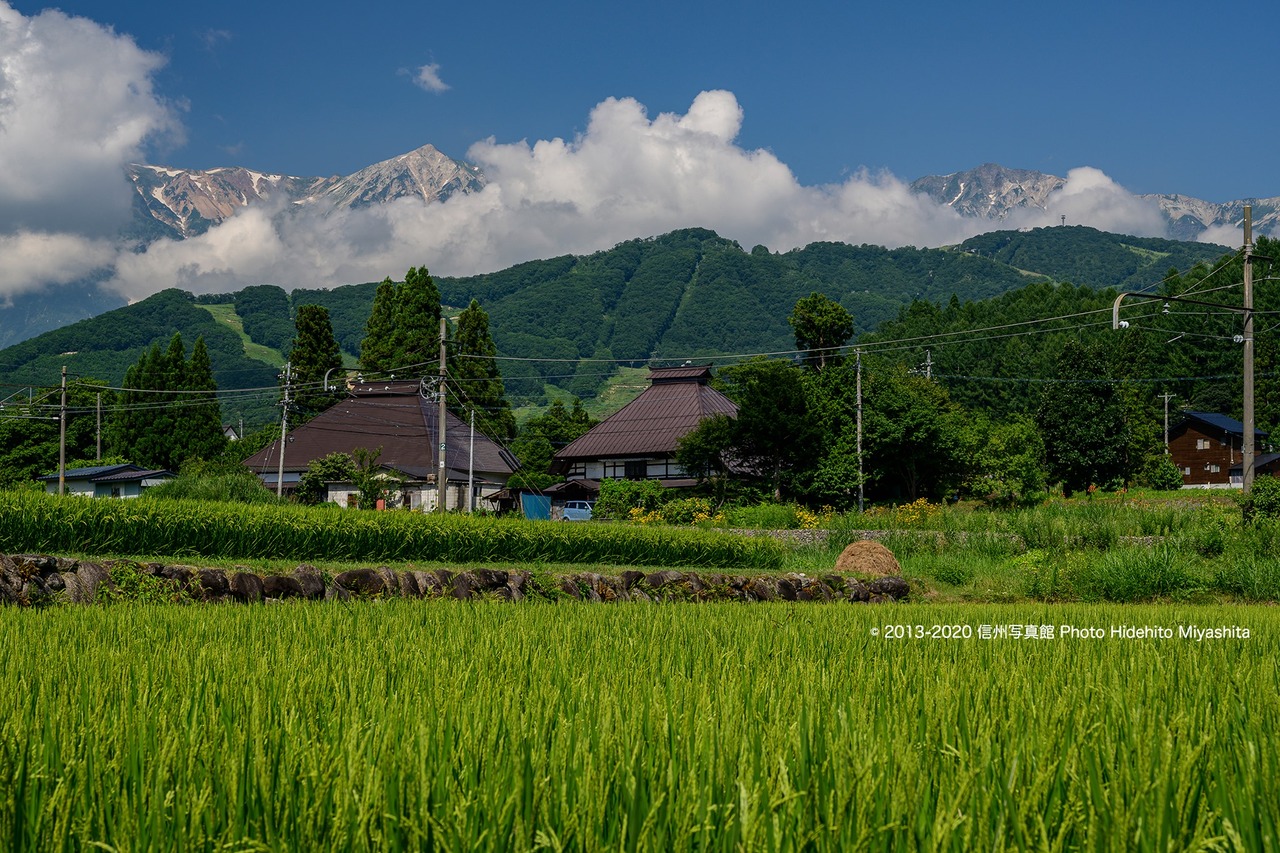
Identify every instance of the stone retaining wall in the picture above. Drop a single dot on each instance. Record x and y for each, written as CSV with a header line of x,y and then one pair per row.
x,y
29,579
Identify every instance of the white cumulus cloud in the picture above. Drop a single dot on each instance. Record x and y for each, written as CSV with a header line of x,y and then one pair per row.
x,y
36,259
1090,197
76,104
428,77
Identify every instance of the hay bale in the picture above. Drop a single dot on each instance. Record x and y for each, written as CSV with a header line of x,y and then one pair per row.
x,y
868,558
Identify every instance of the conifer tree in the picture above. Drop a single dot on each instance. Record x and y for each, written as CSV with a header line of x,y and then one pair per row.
x,y
403,330
157,426
201,436
314,354
417,332
376,353
474,372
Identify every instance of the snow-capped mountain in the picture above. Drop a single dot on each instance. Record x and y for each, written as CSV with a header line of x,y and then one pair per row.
x,y
182,203
993,192
989,191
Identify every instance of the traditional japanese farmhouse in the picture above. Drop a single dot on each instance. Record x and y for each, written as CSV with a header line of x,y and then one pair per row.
x,y
638,442
399,419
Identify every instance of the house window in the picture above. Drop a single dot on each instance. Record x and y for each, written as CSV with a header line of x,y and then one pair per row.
x,y
1187,471
577,471
636,469
115,491
1202,444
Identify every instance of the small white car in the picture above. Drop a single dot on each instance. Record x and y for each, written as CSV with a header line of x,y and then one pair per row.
x,y
577,510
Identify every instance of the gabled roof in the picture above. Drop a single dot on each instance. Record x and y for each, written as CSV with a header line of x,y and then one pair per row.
x,y
401,420
676,401
1219,423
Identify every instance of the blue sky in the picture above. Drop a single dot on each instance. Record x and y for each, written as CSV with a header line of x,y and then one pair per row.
x,y
1149,93
600,122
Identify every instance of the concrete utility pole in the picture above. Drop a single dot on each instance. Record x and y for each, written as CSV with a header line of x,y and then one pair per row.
x,y
1167,396
859,411
471,466
284,426
62,436
98,458
440,469
1248,349
1249,426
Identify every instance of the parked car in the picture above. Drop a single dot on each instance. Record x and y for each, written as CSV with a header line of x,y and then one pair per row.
x,y
577,510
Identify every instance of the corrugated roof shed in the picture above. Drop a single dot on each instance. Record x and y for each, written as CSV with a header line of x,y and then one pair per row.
x,y
401,420
92,473
676,401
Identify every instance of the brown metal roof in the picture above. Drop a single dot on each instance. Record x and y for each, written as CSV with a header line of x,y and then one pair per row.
x,y
670,408
396,417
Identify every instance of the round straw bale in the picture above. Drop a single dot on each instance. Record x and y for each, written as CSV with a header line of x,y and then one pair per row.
x,y
870,558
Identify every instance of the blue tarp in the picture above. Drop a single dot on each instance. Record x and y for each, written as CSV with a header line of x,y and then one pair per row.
x,y
535,507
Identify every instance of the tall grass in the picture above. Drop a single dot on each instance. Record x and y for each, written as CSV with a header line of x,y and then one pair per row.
x,y
412,725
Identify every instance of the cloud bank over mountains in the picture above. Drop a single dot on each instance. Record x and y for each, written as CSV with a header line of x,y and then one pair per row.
x,y
77,103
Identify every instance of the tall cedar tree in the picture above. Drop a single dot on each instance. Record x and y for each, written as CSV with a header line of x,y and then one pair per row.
x,y
376,353
155,426
475,374
403,330
313,354
201,435
417,332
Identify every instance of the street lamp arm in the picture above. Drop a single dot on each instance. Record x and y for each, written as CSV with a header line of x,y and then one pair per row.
x,y
1115,306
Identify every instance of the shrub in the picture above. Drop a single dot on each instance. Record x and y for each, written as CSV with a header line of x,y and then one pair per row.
x,y
1263,500
619,497
238,487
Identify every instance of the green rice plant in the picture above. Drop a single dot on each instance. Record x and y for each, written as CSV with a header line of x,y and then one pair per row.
x,y
31,522
450,726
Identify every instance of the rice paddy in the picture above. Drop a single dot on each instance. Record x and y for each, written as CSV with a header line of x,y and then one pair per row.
x,y
480,726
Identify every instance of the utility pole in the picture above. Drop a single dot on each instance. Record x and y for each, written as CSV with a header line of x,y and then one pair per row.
x,y
859,410
284,426
98,458
440,469
1167,396
471,466
1248,348
928,364
62,437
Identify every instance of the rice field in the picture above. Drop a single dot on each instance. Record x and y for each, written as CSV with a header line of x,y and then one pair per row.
x,y
452,726
38,523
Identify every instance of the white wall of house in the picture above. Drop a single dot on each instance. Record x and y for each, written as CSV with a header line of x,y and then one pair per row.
x,y
421,496
633,468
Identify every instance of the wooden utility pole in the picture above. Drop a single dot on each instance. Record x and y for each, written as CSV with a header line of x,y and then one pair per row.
x,y
284,426
62,436
1248,349
440,469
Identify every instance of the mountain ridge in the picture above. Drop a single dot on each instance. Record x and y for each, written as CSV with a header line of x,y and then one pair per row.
x,y
685,294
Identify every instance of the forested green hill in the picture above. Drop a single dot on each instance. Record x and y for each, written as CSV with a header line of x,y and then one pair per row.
x,y
1083,255
687,294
